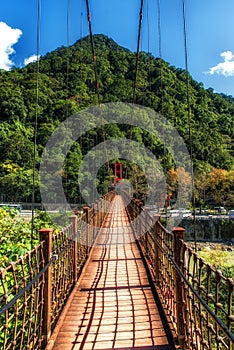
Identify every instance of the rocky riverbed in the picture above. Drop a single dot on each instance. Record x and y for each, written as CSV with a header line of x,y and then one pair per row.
x,y
225,247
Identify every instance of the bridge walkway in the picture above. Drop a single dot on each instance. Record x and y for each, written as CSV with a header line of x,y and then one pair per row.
x,y
113,305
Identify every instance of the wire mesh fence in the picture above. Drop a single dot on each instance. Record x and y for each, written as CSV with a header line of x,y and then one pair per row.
x,y
197,298
35,288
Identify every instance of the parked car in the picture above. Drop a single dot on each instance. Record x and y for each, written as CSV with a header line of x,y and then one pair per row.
x,y
231,214
204,211
196,211
220,210
182,212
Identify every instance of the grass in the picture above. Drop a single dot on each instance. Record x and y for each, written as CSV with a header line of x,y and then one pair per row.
x,y
221,260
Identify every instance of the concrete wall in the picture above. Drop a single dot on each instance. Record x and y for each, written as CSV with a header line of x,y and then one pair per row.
x,y
209,229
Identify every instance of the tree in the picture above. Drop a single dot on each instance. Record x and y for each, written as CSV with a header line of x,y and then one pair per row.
x,y
160,86
218,184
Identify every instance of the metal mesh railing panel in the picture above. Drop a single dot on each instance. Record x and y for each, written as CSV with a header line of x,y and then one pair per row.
x,y
62,271
204,329
196,297
21,322
29,308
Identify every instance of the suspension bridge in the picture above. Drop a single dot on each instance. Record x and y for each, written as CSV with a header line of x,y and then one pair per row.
x,y
115,278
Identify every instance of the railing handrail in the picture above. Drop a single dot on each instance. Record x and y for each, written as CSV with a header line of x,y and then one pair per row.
x,y
164,250
208,309
28,286
55,252
155,245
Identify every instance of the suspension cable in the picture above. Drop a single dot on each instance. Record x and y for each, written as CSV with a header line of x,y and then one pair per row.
x,y
68,44
81,21
160,55
67,93
161,94
148,27
138,51
97,83
36,117
136,75
148,51
93,51
189,120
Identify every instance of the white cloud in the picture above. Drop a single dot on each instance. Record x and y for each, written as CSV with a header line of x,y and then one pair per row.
x,y
227,55
30,59
8,37
225,68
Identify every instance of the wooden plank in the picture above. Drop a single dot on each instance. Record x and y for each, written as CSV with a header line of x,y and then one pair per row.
x,y
113,306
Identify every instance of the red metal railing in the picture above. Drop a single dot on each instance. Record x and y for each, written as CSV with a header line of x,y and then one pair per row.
x,y
196,297
34,289
21,290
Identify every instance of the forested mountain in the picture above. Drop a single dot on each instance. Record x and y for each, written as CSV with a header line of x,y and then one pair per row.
x,y
67,85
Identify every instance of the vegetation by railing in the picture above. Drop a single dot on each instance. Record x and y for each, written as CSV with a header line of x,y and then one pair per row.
x,y
197,298
35,288
21,304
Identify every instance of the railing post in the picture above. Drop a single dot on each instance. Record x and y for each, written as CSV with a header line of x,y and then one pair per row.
x,y
140,218
98,221
156,249
147,212
86,211
46,236
178,233
136,216
74,222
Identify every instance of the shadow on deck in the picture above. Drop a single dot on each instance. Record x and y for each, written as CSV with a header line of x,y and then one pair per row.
x,y
113,305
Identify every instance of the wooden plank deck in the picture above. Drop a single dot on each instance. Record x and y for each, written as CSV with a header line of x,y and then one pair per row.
x,y
113,306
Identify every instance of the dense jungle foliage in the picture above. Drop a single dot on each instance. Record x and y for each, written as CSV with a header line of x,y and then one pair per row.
x,y
67,85
16,235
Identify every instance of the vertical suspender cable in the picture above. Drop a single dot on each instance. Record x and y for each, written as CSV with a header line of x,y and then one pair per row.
x,y
36,113
189,120
148,28
93,50
68,63
138,51
36,116
161,72
81,21
67,89
80,42
97,82
160,55
164,163
136,73
159,30
149,56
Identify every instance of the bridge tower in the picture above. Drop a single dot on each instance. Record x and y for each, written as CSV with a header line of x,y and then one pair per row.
x,y
118,173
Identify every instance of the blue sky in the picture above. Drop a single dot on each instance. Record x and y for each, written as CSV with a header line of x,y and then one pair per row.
x,y
210,32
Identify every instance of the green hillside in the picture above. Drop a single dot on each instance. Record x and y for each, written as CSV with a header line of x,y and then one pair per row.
x,y
67,85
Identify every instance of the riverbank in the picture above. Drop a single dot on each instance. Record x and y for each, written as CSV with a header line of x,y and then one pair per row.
x,y
218,255
208,246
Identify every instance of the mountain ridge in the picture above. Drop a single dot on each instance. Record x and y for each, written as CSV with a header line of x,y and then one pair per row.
x,y
67,84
